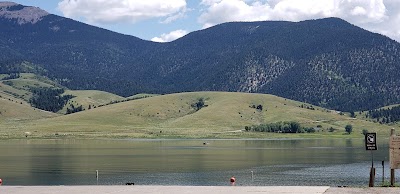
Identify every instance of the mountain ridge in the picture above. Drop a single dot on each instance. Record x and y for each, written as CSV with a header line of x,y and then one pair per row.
x,y
327,62
23,14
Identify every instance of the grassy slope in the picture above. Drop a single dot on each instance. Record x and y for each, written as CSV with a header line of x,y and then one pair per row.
x,y
13,100
14,109
19,87
20,90
139,96
90,97
16,114
172,116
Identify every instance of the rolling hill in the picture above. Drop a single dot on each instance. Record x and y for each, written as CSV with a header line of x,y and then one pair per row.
x,y
20,90
326,62
12,109
224,115
15,112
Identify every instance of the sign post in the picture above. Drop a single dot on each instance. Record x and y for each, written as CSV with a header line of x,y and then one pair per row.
x,y
383,172
370,144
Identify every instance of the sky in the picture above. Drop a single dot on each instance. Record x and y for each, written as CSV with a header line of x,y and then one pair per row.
x,y
167,20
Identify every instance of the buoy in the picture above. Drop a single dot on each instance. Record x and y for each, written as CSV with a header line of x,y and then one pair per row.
x,y
233,180
1,182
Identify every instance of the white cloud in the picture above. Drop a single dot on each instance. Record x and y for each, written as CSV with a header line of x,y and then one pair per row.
x,y
381,16
390,26
110,11
233,10
358,11
170,36
210,2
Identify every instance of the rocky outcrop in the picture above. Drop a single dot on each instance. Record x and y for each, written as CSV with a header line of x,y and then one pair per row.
x,y
22,14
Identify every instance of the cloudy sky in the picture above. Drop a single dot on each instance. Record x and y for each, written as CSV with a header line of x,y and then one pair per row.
x,y
167,20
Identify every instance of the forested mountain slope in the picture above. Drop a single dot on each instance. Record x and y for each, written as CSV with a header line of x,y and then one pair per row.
x,y
326,62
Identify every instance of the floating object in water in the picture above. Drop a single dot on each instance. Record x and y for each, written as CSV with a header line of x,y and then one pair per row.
x,y
1,182
129,183
232,180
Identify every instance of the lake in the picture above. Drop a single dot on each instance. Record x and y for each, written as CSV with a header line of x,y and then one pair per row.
x,y
327,162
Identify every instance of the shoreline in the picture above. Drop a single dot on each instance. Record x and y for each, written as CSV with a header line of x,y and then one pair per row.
x,y
228,138
193,189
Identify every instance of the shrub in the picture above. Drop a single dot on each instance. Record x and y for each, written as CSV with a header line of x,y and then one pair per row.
x,y
331,129
348,129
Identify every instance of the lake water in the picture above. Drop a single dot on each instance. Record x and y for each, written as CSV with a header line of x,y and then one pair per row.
x,y
330,162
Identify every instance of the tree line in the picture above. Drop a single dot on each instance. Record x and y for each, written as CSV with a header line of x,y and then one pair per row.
x,y
49,99
280,127
291,127
386,115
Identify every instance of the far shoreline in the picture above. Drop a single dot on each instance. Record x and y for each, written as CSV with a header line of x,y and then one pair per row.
x,y
222,136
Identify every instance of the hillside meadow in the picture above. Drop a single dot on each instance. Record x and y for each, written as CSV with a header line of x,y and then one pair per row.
x,y
19,90
224,115
89,98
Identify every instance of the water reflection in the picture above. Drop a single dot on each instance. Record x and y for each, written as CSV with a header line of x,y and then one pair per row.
x,y
189,162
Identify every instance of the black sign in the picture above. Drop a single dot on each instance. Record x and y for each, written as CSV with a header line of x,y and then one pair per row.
x,y
370,141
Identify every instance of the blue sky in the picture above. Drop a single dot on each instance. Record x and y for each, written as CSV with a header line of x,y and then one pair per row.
x,y
166,20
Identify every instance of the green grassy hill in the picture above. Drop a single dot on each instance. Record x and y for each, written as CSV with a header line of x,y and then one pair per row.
x,y
173,116
19,87
92,98
17,110
13,101
20,90
16,114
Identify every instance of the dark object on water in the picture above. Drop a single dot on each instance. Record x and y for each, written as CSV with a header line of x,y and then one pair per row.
x,y
129,183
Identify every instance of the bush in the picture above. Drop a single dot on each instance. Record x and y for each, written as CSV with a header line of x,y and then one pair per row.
x,y
348,129
331,129
199,104
310,130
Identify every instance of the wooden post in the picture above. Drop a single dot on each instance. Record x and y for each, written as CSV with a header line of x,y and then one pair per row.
x,y
97,176
372,177
383,172
372,171
392,170
371,144
392,177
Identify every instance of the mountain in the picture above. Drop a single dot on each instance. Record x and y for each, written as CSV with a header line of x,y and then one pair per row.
x,y
327,62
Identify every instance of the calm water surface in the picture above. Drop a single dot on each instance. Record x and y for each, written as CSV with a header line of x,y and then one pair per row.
x,y
331,162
